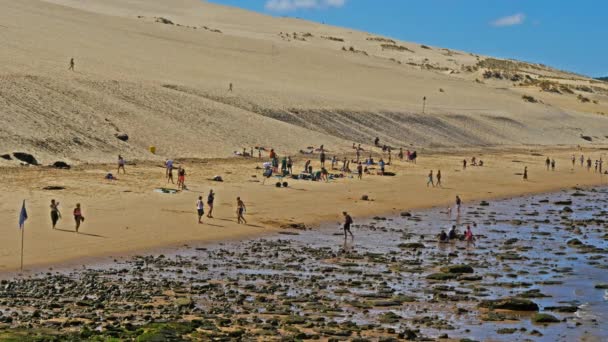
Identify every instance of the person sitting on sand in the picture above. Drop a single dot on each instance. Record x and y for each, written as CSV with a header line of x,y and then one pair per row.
x,y
240,211
78,217
480,162
200,209
473,161
324,174
55,213
453,234
348,221
121,165
443,237
210,200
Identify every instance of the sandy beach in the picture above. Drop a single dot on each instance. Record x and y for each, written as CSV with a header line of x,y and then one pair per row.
x,y
127,216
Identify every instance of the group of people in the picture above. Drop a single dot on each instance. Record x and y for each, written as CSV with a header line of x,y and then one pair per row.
x,y
474,162
431,180
56,215
453,235
599,163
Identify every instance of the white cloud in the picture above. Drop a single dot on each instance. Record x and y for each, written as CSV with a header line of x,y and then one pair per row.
x,y
515,19
292,5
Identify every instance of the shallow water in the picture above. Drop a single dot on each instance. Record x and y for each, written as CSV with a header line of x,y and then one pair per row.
x,y
338,286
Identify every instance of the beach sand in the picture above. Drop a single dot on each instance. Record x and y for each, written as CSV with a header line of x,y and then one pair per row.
x,y
126,216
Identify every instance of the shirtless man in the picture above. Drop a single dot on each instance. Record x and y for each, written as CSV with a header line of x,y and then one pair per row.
x,y
240,211
347,222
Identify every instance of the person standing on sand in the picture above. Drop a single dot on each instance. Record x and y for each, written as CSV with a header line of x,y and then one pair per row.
x,y
588,163
230,87
55,213
582,160
360,171
438,179
71,64
78,217
553,165
121,165
289,165
210,200
200,208
468,236
573,160
322,158
181,178
458,203
430,180
525,173
240,211
548,163
347,222
400,153
464,164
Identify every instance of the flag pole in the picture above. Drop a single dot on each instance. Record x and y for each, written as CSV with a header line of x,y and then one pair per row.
x,y
22,230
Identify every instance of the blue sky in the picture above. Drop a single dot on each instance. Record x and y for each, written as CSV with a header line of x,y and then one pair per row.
x,y
567,34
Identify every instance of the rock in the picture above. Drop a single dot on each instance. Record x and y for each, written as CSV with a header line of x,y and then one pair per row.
x,y
122,136
365,198
566,202
442,276
458,269
601,286
164,21
511,241
574,243
53,188
514,304
406,214
484,204
544,318
61,165
6,157
568,309
411,245
567,210
26,158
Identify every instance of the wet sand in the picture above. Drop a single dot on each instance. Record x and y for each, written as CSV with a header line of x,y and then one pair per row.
x,y
127,216
545,253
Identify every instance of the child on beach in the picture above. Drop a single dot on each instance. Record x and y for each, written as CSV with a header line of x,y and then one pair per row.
x,y
121,165
200,209
78,217
468,236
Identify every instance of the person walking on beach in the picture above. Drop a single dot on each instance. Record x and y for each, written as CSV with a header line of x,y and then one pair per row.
x,y
588,163
430,180
71,64
582,160
168,167
458,203
55,213
573,160
360,171
210,200
240,211
464,164
548,163
438,177
200,208
230,87
121,165
400,153
347,223
553,165
78,217
525,173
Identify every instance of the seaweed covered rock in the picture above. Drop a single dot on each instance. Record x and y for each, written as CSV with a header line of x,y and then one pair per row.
x,y
544,318
458,269
514,304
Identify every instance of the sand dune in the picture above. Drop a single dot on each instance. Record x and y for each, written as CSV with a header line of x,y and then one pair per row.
x,y
296,84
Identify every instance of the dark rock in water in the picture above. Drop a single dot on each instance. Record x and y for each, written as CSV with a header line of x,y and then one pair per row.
x,y
514,304
26,158
122,136
406,214
408,335
511,241
602,286
484,204
6,157
567,309
544,318
411,245
574,242
457,269
442,276
61,165
567,210
566,202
